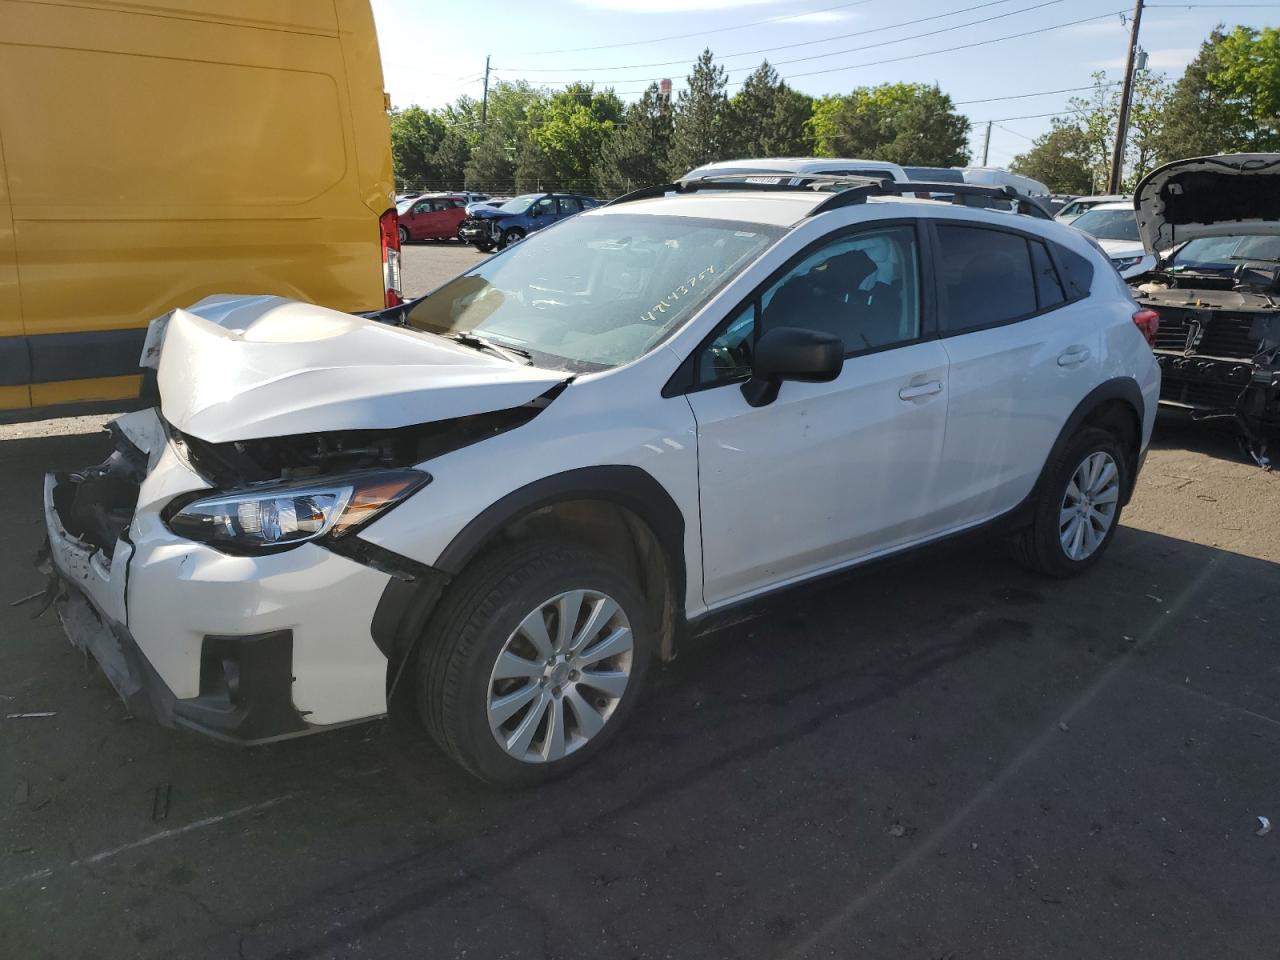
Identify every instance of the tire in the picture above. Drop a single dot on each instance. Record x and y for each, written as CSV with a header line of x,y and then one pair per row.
x,y
484,246
1040,546
481,618
514,235
404,236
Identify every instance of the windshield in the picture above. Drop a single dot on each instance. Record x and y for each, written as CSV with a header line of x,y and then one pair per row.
x,y
1224,254
1108,224
594,292
521,203
403,206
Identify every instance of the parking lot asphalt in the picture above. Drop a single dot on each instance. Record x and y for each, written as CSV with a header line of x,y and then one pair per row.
x,y
425,264
946,757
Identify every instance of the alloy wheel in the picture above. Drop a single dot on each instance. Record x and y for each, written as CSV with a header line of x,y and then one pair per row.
x,y
560,676
1089,505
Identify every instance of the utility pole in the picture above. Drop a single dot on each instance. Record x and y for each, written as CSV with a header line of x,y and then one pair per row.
x,y
484,100
1126,97
986,142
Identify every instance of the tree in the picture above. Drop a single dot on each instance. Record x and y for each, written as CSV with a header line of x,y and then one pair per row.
x,y
700,130
635,152
569,131
767,118
1228,98
415,135
502,142
907,123
1089,127
1059,159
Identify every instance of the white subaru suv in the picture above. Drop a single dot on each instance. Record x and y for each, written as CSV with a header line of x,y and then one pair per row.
x,y
506,498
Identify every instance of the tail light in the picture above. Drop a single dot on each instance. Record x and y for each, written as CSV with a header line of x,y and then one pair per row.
x,y
389,229
1148,323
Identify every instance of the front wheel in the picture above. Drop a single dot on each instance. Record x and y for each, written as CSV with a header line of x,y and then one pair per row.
x,y
533,661
514,235
484,246
1078,507
404,236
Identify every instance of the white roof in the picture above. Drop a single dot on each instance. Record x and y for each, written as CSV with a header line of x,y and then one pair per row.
x,y
780,209
796,165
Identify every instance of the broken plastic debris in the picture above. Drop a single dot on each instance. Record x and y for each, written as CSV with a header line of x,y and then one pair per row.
x,y
1264,827
1152,596
897,830
30,716
1062,725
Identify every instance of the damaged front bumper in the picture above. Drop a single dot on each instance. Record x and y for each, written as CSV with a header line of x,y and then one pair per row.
x,y
243,648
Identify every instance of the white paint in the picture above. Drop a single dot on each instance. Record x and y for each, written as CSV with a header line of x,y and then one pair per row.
x,y
146,841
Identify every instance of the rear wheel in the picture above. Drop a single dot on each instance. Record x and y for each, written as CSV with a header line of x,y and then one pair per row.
x,y
1078,507
533,661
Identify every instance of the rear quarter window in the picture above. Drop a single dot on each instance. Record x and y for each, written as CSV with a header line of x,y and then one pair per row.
x,y
1075,271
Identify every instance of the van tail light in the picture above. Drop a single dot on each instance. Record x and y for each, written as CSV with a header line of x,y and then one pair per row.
x,y
1148,323
389,229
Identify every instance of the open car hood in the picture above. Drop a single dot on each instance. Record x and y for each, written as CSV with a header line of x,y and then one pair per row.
x,y
241,368
1208,197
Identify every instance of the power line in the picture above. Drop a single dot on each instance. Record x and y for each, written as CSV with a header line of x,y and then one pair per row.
x,y
785,46
870,63
698,33
963,46
1041,93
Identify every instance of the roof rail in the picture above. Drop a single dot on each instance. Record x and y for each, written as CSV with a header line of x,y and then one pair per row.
x,y
845,190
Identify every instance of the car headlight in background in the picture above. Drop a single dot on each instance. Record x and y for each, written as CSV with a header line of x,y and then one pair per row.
x,y
274,517
1124,263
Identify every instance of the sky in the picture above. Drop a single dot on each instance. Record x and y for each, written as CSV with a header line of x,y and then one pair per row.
x,y
434,50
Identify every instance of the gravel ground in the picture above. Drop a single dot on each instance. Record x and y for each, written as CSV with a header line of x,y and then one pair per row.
x,y
943,758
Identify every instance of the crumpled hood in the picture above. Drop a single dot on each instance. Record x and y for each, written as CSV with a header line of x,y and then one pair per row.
x,y
1208,197
240,368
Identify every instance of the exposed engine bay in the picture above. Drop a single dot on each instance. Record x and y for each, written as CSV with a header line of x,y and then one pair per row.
x,y
1218,345
304,456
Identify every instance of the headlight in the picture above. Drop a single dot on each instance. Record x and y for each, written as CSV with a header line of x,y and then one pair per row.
x,y
1124,263
282,516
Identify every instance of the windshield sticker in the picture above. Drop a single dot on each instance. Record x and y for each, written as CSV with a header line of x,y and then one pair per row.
x,y
668,302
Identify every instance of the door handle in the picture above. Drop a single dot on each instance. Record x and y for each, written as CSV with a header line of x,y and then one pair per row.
x,y
921,391
1073,356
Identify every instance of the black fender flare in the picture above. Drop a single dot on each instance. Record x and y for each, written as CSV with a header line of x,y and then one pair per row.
x,y
407,603
1125,389
629,487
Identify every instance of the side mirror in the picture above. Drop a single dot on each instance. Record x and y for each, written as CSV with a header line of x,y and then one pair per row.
x,y
792,353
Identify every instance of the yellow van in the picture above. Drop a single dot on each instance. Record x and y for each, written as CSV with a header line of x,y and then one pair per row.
x,y
153,152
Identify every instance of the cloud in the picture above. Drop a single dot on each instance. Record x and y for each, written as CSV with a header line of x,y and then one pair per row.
x,y
1174,58
821,16
670,6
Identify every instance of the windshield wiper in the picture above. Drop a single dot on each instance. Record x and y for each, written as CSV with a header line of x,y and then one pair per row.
x,y
1257,259
469,338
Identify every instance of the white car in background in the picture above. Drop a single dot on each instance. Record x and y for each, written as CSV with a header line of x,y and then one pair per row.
x,y
799,167
1115,227
505,499
1081,205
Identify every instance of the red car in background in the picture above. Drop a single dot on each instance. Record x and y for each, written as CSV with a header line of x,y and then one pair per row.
x,y
433,216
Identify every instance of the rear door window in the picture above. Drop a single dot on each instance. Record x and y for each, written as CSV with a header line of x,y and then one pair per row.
x,y
985,277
